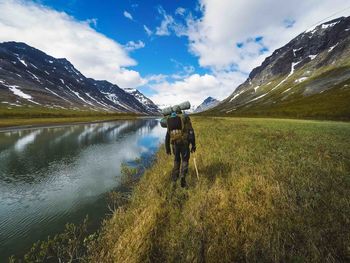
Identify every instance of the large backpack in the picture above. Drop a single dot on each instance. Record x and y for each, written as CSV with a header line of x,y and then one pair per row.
x,y
179,134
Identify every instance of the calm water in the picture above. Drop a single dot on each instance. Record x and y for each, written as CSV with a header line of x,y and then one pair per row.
x,y
51,176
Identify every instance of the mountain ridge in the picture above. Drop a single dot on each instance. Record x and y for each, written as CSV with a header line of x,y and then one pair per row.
x,y
31,78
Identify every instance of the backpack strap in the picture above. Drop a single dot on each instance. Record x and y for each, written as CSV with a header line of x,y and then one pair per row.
x,y
182,123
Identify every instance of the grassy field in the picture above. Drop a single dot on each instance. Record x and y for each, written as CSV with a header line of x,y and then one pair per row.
x,y
43,116
269,191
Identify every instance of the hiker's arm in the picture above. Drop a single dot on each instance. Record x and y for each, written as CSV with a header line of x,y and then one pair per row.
x,y
191,135
167,143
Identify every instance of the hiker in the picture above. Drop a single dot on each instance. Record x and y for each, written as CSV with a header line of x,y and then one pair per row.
x,y
180,135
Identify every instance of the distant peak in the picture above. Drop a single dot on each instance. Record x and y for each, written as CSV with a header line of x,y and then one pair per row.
x,y
209,99
63,61
18,45
334,20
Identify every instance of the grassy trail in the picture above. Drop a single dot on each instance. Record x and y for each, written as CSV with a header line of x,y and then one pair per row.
x,y
269,191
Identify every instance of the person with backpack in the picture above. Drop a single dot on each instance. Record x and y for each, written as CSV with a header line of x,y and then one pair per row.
x,y
180,136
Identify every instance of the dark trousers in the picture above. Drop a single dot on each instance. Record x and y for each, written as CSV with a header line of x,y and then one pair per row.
x,y
182,154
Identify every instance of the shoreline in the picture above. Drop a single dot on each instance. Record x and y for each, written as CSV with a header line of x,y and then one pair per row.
x,y
62,122
69,121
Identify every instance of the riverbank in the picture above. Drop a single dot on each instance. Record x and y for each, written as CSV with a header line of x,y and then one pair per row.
x,y
268,191
19,123
41,117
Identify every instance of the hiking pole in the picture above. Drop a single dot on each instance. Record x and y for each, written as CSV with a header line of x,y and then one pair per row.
x,y
195,166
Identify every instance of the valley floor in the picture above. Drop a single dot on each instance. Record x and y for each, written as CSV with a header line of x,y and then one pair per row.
x,y
9,124
269,190
38,117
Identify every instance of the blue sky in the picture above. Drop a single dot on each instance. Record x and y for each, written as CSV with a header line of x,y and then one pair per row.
x,y
170,50
160,54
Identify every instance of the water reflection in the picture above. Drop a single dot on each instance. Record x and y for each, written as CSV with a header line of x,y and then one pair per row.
x,y
53,175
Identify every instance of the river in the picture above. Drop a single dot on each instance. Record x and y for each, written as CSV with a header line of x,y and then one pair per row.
x,y
54,175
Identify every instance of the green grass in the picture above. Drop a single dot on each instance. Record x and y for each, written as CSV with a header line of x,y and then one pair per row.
x,y
42,116
269,191
4,123
42,112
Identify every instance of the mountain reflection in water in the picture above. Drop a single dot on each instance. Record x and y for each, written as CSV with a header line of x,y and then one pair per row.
x,y
51,176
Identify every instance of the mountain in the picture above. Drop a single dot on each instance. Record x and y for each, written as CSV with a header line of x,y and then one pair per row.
x,y
31,78
149,105
308,78
207,104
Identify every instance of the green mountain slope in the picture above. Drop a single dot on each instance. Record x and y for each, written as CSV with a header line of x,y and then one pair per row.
x,y
307,78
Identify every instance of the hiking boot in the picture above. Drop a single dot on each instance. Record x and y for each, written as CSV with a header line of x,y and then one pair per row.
x,y
183,182
174,177
175,172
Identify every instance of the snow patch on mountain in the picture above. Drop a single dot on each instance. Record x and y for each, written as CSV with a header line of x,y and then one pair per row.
x,y
259,97
300,79
18,92
325,26
54,93
235,96
290,74
33,76
332,47
23,62
312,57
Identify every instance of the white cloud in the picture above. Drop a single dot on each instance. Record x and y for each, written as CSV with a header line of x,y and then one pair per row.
x,y
195,88
169,25
128,15
214,37
183,71
147,30
180,11
168,20
60,35
132,45
158,78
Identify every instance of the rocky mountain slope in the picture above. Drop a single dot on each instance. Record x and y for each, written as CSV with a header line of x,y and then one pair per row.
x,y
309,78
31,78
143,100
207,104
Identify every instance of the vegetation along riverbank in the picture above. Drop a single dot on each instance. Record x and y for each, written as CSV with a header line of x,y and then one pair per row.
x,y
269,190
42,117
